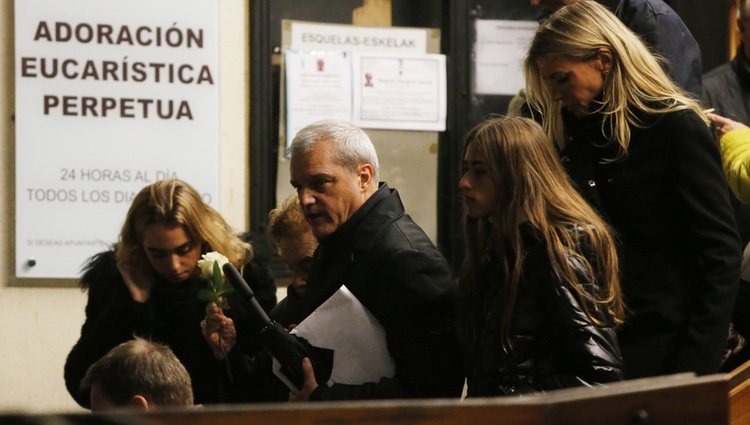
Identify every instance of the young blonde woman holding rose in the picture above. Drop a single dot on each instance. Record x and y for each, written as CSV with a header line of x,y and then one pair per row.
x,y
149,286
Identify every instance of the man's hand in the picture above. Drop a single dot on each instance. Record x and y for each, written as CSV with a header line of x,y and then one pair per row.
x,y
218,331
310,382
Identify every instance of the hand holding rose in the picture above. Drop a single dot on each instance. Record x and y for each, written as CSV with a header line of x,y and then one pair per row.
x,y
219,331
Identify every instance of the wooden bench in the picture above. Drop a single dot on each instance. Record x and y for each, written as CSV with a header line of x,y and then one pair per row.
x,y
677,399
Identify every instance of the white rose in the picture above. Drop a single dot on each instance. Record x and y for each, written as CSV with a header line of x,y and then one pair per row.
x,y
207,263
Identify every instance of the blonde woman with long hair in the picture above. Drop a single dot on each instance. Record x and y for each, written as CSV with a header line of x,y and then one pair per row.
x,y
640,151
149,285
540,295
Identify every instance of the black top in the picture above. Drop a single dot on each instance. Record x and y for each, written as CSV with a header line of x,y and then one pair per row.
x,y
396,272
727,88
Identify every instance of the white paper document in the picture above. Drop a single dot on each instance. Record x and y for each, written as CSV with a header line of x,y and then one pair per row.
x,y
318,86
500,49
344,325
399,92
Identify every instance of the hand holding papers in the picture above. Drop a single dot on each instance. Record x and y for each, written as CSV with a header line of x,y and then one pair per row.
x,y
344,325
288,349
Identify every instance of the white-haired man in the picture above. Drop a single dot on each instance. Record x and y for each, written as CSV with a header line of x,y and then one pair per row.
x,y
369,244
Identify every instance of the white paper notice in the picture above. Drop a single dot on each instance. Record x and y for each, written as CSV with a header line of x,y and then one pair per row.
x,y
318,86
500,50
110,96
399,92
344,325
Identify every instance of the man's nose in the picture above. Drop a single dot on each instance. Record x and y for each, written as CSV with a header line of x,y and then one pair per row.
x,y
305,197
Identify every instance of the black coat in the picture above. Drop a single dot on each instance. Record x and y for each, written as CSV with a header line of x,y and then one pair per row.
x,y
727,88
171,315
396,272
662,29
680,253
553,342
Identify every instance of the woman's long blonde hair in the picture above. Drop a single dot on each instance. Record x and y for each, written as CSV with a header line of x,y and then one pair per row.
x,y
535,191
637,82
170,202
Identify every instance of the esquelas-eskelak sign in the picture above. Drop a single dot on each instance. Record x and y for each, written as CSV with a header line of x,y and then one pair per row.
x,y
110,96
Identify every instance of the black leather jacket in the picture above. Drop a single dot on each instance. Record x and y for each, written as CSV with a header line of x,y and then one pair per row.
x,y
393,268
554,344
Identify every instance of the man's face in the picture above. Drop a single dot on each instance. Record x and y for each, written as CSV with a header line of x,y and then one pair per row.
x,y
328,193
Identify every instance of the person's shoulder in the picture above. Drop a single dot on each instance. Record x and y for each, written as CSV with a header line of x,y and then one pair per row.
x,y
653,9
680,125
717,76
664,113
684,116
676,133
388,226
656,22
404,246
659,6
99,269
406,233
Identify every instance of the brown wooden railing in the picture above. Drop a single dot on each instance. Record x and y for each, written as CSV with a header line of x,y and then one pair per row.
x,y
677,399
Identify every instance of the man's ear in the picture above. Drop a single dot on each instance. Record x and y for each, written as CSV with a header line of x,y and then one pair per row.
x,y
366,175
139,402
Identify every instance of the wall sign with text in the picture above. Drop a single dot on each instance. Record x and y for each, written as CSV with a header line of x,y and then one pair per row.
x,y
110,96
